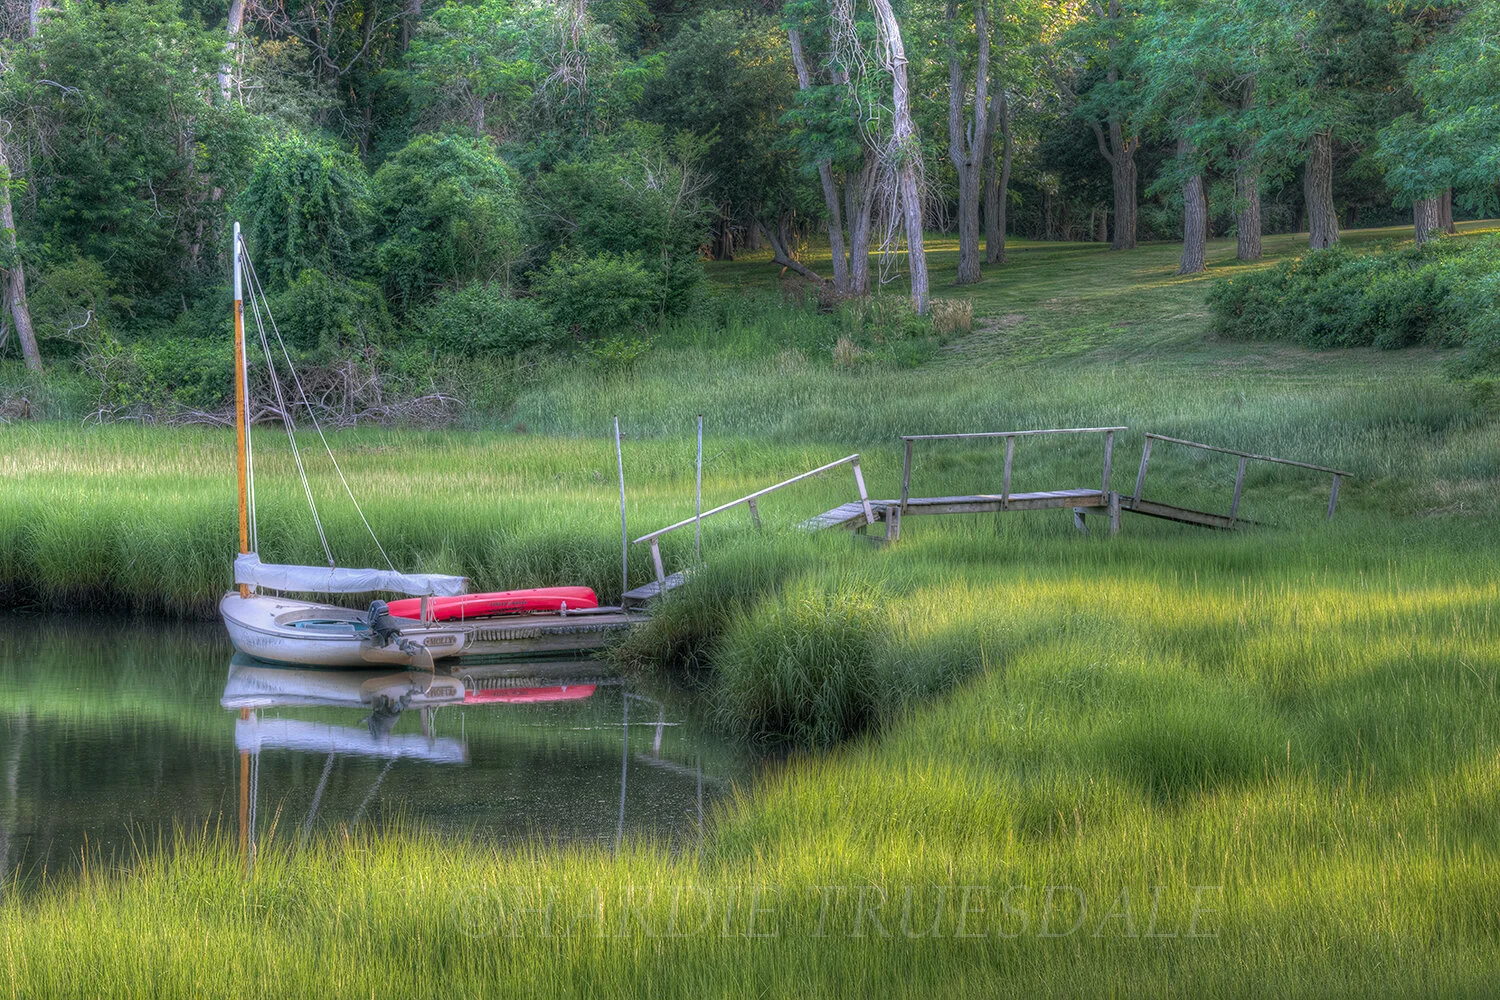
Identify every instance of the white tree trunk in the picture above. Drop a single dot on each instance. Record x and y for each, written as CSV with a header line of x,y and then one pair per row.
x,y
226,71
15,283
906,151
825,178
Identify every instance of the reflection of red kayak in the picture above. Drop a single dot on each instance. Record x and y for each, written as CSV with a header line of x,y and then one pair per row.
x,y
504,602
528,696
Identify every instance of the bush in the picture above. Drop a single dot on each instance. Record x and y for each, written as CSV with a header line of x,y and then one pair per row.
x,y
600,294
327,315
306,206
482,318
447,214
1338,298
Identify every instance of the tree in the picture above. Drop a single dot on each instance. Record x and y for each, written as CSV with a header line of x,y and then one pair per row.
x,y
968,134
470,64
307,206
447,212
902,154
15,271
1108,38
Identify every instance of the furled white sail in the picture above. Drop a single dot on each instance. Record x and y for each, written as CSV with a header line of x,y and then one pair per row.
x,y
326,580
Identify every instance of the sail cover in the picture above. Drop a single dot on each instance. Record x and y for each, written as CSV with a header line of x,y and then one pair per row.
x,y
326,580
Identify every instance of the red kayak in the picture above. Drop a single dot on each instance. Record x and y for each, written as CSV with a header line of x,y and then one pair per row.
x,y
528,696
503,602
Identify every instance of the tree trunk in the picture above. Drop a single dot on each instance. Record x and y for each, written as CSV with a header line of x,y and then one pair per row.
x,y
1120,153
906,148
15,285
967,139
410,18
1427,218
226,71
1317,188
1247,188
859,195
1194,216
997,181
34,10
779,236
1445,212
825,178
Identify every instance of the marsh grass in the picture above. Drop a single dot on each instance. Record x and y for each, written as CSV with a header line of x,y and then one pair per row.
x,y
1309,736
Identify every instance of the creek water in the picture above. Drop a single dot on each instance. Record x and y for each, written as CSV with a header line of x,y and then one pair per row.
x,y
115,734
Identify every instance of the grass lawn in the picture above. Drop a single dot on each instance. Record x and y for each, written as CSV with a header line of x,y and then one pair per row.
x,y
1170,763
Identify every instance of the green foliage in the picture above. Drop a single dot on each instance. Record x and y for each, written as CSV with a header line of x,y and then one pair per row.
x,y
646,203
597,294
448,214
306,207
107,115
482,318
317,313
471,64
1340,298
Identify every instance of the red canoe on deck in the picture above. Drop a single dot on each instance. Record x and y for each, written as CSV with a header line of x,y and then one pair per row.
x,y
504,602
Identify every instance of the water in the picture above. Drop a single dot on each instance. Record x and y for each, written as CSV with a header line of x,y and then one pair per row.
x,y
114,733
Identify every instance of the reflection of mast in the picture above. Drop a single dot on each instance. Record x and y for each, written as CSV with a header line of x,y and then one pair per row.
x,y
12,779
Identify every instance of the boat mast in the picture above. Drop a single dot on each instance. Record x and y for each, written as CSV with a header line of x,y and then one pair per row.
x,y
240,396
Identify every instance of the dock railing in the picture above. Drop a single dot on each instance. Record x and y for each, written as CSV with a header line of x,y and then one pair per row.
x,y
1245,458
1010,452
750,502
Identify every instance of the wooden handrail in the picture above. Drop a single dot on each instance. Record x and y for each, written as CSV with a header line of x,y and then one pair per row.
x,y
1252,456
1239,475
1010,452
749,501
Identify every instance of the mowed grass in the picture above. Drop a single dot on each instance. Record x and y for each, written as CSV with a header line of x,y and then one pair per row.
x,y
1269,769
1168,763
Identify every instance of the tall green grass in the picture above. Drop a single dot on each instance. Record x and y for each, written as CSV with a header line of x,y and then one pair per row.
x,y
1296,740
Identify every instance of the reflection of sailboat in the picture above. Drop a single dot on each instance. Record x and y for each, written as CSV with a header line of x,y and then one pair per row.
x,y
441,622
253,686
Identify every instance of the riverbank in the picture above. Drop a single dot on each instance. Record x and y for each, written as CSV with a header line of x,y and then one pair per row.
x,y
1265,770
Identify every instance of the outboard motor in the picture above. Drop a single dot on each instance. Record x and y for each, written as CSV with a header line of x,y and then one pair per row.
x,y
385,625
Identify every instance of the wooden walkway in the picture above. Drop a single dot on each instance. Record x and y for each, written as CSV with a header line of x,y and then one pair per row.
x,y
858,515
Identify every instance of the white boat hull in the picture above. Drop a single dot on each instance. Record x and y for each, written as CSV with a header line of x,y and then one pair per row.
x,y
283,630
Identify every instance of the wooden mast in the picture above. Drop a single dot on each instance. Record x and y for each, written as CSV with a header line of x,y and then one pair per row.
x,y
240,394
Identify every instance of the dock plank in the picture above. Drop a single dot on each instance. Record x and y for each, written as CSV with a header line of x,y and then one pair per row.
x,y
651,591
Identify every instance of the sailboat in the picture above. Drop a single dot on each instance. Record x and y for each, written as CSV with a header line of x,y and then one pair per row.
x,y
437,621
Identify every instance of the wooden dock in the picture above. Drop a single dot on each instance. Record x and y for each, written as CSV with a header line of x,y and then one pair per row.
x,y
859,514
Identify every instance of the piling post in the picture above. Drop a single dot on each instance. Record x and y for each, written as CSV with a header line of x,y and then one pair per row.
x,y
1010,454
1140,477
1333,496
624,534
1239,487
698,502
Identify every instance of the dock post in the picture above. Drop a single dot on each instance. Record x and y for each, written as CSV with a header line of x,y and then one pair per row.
x,y
625,535
1010,454
1333,497
1140,477
1109,455
1114,512
864,496
893,523
754,513
1078,520
1239,486
698,502
906,476
661,573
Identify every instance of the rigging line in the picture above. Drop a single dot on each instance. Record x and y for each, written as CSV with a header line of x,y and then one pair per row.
x,y
255,280
291,436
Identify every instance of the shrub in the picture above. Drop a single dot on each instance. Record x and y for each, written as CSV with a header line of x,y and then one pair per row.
x,y
482,318
321,314
596,295
447,213
306,206
1337,298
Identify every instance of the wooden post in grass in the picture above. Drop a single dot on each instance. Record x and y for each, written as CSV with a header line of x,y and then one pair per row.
x,y
698,502
625,535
